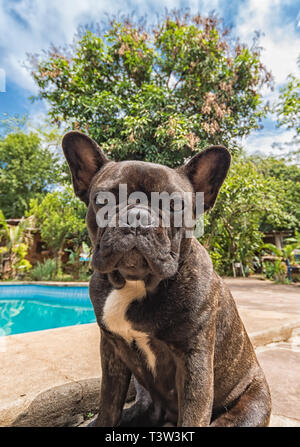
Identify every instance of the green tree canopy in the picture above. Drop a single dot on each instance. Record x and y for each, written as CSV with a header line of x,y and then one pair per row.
x,y
156,94
27,170
259,195
288,111
60,215
288,107
282,187
232,228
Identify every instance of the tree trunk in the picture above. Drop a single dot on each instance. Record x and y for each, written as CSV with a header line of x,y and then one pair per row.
x,y
60,253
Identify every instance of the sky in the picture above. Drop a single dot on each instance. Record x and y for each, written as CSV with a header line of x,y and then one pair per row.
x,y
31,26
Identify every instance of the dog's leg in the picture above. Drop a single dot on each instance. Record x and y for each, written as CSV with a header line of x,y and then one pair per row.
x,y
114,385
195,377
131,393
143,413
195,390
252,409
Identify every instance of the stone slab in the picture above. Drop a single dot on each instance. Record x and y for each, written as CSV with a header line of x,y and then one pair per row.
x,y
35,362
270,312
281,364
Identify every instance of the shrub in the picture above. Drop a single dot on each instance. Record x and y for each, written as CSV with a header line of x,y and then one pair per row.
x,y
44,271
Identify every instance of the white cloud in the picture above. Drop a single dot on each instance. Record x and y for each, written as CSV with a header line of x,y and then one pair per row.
x,y
30,26
281,47
280,41
262,142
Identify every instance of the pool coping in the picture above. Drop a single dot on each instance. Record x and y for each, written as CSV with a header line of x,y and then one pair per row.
x,y
46,283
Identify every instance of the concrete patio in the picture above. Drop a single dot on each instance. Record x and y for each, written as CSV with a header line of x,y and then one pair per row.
x,y
52,377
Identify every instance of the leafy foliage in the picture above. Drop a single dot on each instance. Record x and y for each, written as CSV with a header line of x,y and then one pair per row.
x,y
283,186
232,227
59,215
81,270
44,271
288,108
14,243
157,94
287,252
251,202
278,269
288,111
260,195
27,170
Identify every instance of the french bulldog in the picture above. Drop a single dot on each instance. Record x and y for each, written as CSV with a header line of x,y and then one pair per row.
x,y
167,320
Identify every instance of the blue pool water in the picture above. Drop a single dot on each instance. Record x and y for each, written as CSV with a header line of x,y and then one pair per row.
x,y
27,308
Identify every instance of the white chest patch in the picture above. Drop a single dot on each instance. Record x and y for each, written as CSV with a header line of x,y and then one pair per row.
x,y
114,317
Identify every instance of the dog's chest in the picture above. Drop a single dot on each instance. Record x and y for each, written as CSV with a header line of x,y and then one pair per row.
x,y
114,317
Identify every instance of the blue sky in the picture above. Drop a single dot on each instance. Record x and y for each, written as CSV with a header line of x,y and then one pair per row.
x,y
29,26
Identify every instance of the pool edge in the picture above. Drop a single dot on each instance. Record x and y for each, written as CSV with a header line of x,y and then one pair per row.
x,y
46,283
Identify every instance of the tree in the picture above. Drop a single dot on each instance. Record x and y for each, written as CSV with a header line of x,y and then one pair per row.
x,y
59,216
288,110
259,195
14,242
277,268
283,189
288,107
157,94
12,123
27,170
232,227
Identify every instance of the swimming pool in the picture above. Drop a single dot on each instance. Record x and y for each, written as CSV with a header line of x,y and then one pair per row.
x,y
34,307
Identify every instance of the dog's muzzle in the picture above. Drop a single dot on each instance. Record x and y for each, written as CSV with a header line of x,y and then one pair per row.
x,y
136,249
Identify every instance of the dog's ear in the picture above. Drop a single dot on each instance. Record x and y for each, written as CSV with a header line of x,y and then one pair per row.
x,y
207,171
84,158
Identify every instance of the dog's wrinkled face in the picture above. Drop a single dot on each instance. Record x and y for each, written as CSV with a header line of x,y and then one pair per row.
x,y
138,250
135,243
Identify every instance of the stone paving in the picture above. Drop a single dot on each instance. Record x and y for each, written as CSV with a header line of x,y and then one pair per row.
x,y
52,377
270,311
281,364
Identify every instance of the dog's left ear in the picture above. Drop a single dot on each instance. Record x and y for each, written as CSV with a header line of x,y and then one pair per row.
x,y
84,158
207,171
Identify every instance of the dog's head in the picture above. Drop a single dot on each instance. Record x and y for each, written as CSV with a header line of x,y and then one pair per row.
x,y
132,240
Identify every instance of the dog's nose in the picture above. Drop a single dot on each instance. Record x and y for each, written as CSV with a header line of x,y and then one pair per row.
x,y
139,217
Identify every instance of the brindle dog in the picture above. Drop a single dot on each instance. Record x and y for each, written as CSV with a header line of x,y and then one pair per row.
x,y
166,318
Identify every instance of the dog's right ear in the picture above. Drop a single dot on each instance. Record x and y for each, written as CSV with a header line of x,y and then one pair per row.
x,y
84,158
207,171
